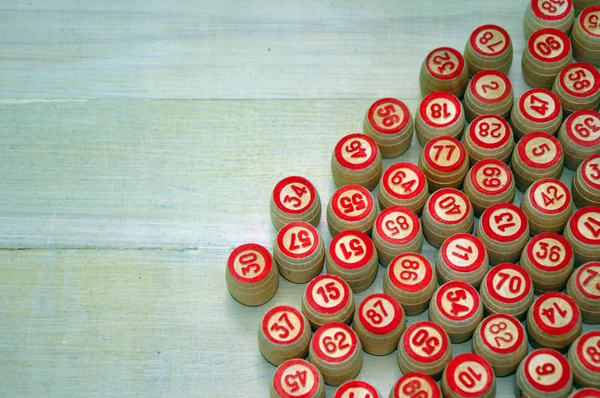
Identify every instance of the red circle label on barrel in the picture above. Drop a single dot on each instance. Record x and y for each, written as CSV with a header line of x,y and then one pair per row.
x,y
555,313
403,180
585,225
297,239
425,342
410,272
539,105
590,171
503,222
416,385
356,389
449,206
463,252
588,350
502,334
249,263
356,151
380,313
445,63
580,80
583,127
283,324
469,375
351,249
489,132
508,283
588,280
489,40
334,342
551,10
490,86
444,153
549,196
388,115
352,203
549,252
549,45
491,177
440,109
457,300
547,370
296,378
539,150
294,194
590,20
397,225
327,294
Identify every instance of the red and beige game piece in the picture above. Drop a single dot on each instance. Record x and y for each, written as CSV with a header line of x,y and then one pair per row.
x,y
548,259
584,357
403,184
504,231
488,182
537,110
583,233
586,183
389,123
336,351
553,321
586,393
584,288
326,299
410,280
295,199
283,334
415,385
488,137
356,159
548,51
462,257
578,87
397,230
352,257
468,375
444,70
440,114
447,212
425,347
297,378
506,289
548,206
579,137
538,155
444,162
586,36
379,322
556,14
351,207
544,373
251,277
356,389
500,339
457,308
488,93
489,48
299,252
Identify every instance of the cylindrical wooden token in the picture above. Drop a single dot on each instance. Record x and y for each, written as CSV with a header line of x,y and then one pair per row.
x,y
295,199
356,160
468,375
548,206
500,339
548,51
251,277
457,308
556,14
379,322
403,184
504,231
299,252
440,114
410,280
447,212
356,389
326,299
544,373
506,289
553,321
579,137
444,70
584,357
586,393
462,257
489,48
488,93
488,137
586,183
389,123
584,288
283,334
351,207
297,378
444,162
352,257
548,259
488,182
538,155
583,233
425,347
415,385
336,351
538,110
397,231
586,36
578,88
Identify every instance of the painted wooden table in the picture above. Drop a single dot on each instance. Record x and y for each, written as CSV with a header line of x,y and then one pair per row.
x,y
140,142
